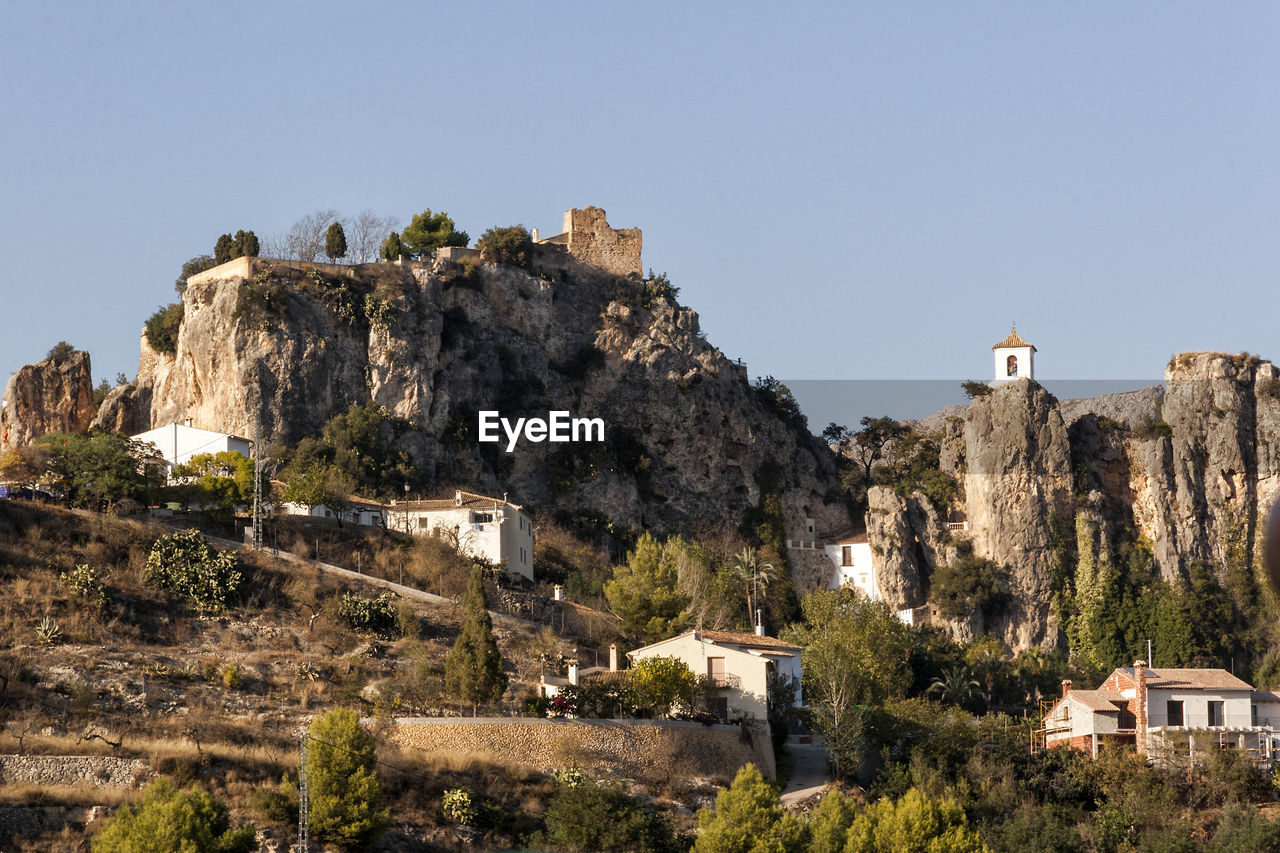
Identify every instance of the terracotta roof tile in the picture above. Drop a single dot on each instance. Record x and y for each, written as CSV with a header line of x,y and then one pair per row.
x,y
1098,700
1014,340
751,640
469,501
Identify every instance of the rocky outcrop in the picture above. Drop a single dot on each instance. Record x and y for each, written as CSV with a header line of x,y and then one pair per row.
x,y
277,355
125,410
54,395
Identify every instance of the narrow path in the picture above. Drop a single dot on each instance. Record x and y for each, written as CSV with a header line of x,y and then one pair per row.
x,y
808,770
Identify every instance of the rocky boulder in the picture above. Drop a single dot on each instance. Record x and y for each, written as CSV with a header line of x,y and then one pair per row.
x,y
53,395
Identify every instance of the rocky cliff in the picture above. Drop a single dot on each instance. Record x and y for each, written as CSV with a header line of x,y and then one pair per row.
x,y
277,354
54,395
1188,471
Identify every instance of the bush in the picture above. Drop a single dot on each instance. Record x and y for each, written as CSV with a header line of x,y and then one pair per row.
x,y
162,328
83,581
185,563
369,615
968,584
974,389
276,804
587,816
168,819
512,245
345,794
457,806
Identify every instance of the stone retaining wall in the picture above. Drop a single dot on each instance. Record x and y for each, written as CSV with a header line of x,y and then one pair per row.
x,y
97,770
629,748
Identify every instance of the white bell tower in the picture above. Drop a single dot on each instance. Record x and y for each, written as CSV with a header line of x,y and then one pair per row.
x,y
1014,358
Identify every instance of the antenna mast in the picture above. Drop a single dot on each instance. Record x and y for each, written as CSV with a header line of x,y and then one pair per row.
x,y
304,797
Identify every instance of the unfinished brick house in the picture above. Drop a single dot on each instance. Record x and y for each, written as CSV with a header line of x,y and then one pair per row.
x,y
1166,714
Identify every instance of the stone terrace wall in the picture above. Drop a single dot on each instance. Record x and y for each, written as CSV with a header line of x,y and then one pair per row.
x,y
97,770
629,748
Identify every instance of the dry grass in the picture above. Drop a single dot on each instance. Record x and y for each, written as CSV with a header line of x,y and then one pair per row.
x,y
21,794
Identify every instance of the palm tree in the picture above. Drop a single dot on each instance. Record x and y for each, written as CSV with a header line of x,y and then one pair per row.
x,y
956,686
756,575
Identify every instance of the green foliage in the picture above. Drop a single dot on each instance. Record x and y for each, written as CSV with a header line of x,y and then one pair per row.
x,y
369,615
777,398
1152,427
96,470
658,288
380,312
512,245
223,248
261,300
224,480
974,389
60,352
1046,829
660,682
748,818
359,451
589,817
829,823
335,241
83,580
968,584
1269,389
231,676
186,564
645,594
162,328
473,670
915,822
278,804
166,819
345,794
392,248
229,247
457,805
430,231
338,294
196,265
855,654
955,686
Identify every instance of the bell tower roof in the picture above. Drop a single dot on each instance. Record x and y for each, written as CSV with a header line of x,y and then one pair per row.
x,y
1014,340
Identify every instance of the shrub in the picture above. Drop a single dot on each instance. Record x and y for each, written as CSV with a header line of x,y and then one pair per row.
x,y
974,389
587,816
1269,389
162,328
345,794
230,675
369,615
48,631
658,288
168,819
186,564
512,245
969,583
276,804
457,806
83,581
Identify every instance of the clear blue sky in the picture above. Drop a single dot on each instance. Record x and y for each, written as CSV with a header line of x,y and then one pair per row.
x,y
841,190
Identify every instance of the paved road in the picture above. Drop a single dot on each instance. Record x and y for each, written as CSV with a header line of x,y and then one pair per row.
x,y
808,770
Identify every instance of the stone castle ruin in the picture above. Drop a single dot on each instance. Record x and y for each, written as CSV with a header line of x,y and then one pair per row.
x,y
588,237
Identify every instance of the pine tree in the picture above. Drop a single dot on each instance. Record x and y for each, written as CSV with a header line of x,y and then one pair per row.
x,y
748,816
473,670
345,794
335,242
168,819
392,247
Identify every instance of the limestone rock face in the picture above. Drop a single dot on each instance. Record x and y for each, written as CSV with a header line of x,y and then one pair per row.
x,y
126,410
1018,489
896,552
54,395
688,439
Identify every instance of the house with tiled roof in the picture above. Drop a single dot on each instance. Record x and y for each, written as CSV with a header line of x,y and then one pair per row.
x,y
493,528
1014,358
737,664
1165,714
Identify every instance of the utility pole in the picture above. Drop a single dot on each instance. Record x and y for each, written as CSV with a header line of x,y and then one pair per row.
x,y
257,497
304,841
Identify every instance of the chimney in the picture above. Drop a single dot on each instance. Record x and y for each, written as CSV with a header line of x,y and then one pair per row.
x,y
613,657
558,592
1140,706
457,498
573,672
759,624
188,422
1066,687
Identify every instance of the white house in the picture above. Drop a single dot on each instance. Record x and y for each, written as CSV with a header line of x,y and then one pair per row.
x,y
1014,358
851,559
1165,713
177,443
737,664
357,511
493,528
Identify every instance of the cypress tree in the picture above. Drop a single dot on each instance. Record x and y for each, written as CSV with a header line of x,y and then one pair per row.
x,y
224,249
335,241
246,245
473,670
392,247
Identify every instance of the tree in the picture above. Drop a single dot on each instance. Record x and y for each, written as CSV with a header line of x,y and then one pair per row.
x,y
829,823
590,817
365,445
223,249
335,242
392,247
162,328
312,482
956,686
165,818
246,245
60,352
755,574
855,656
224,479
512,245
430,231
658,683
973,389
915,822
198,264
871,443
836,434
969,584
367,232
99,469
645,592
748,818
345,793
185,563
473,670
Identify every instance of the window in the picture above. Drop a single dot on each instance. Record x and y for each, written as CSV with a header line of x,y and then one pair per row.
x,y
1011,366
1173,713
481,518
1215,713
715,671
1253,714
846,555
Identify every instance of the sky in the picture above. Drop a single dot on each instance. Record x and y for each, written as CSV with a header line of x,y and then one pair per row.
x,y
843,191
